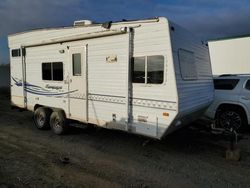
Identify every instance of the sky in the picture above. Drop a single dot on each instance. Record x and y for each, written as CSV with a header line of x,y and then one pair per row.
x,y
208,19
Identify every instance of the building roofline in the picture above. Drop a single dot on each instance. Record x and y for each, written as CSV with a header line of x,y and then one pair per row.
x,y
230,38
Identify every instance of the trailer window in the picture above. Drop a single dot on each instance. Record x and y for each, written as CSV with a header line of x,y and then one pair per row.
x,y
138,67
46,71
57,71
187,64
155,69
15,52
76,59
52,71
150,67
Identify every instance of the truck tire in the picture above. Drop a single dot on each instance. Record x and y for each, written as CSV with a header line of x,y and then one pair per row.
x,y
41,118
58,122
231,118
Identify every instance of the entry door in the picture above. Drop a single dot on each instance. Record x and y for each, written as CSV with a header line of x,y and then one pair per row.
x,y
77,83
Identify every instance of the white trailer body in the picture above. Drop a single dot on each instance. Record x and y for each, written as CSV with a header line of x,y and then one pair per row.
x,y
147,77
230,55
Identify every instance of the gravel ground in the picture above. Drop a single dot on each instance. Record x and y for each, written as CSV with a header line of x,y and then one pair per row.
x,y
95,157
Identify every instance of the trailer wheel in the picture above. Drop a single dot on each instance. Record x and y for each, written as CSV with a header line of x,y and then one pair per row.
x,y
41,118
58,122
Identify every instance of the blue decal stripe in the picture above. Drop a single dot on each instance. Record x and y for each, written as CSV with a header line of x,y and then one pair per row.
x,y
39,91
33,86
49,94
30,88
28,85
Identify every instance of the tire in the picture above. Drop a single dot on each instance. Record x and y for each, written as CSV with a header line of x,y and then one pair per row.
x,y
231,119
41,118
58,122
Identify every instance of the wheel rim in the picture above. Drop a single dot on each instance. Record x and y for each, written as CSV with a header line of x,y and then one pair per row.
x,y
57,123
40,119
230,120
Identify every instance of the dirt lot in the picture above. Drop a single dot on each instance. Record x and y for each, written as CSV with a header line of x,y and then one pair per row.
x,y
105,158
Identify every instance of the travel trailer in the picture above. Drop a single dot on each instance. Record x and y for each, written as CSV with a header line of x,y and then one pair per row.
x,y
147,77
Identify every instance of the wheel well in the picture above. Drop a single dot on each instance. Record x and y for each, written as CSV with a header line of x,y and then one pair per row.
x,y
233,107
37,106
50,108
59,110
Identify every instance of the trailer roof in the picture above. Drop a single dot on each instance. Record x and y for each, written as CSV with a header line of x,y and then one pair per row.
x,y
91,25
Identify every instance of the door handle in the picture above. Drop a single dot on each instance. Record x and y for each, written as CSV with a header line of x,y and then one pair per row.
x,y
245,98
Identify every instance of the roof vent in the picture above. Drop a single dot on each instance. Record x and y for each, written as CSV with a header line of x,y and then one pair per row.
x,y
82,23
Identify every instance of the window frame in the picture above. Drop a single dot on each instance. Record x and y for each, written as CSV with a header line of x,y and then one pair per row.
x,y
18,51
73,64
51,71
132,69
236,80
146,71
181,69
248,80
